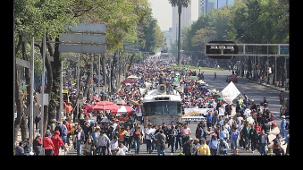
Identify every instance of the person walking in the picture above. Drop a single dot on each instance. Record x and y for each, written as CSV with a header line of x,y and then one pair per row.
x,y
69,127
63,136
283,127
122,149
263,141
199,132
172,134
204,149
185,133
48,145
234,137
148,138
223,147
137,135
281,96
57,142
253,137
245,135
37,145
160,139
277,146
19,150
113,146
209,119
179,142
213,145
188,148
79,139
102,143
27,148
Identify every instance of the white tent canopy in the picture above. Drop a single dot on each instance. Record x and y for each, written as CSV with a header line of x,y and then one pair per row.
x,y
229,93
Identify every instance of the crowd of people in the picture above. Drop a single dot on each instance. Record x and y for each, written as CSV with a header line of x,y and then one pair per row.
x,y
247,129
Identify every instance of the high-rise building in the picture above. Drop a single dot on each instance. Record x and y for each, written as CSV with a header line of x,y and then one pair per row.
x,y
185,20
208,5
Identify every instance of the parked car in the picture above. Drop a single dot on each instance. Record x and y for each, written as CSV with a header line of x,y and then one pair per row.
x,y
233,78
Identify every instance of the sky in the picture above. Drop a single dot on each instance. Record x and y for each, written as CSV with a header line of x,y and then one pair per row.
x,y
162,12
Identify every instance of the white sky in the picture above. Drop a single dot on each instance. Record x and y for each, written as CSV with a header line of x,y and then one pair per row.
x,y
162,11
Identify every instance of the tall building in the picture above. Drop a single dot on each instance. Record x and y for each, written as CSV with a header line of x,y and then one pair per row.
x,y
208,5
185,20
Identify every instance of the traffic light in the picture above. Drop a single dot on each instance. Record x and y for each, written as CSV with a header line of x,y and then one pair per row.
x,y
221,49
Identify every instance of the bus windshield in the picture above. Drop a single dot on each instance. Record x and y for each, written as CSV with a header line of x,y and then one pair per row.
x,y
162,108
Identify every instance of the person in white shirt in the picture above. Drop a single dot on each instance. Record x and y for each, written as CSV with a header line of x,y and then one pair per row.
x,y
113,146
148,139
247,113
122,149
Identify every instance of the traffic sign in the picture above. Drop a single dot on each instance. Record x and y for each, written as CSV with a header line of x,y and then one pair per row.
x,y
129,47
84,38
284,49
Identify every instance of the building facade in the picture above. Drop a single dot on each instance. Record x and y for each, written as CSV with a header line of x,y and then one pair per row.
x,y
185,20
208,5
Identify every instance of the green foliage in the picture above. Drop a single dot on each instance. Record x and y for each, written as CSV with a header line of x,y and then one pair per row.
x,y
247,21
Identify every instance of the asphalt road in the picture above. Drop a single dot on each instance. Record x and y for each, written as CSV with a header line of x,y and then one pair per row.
x,y
253,90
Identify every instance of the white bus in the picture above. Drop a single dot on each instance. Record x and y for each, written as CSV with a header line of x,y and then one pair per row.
x,y
162,106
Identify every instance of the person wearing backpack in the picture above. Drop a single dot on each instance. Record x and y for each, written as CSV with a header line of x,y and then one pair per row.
x,y
37,145
199,133
160,139
223,147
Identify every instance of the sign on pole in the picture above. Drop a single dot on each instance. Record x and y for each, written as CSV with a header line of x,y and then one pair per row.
x,y
129,47
84,38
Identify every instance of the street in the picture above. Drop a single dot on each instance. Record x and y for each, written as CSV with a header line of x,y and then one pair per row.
x,y
252,89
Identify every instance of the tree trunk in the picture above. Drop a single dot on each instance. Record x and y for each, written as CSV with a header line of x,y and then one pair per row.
x,y
130,62
23,121
54,103
19,109
103,63
17,121
179,33
87,85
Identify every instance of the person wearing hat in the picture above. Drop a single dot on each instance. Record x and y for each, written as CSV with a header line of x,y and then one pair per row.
x,y
37,145
223,147
57,142
214,144
283,127
196,145
188,147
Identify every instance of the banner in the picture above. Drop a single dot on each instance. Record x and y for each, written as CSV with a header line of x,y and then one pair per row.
x,y
230,92
197,111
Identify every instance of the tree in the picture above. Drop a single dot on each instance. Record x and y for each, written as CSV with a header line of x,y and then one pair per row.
x,y
179,4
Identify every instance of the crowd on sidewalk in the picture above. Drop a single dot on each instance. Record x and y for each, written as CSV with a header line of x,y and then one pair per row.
x,y
108,135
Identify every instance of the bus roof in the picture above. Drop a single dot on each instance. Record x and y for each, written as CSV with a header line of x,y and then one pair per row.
x,y
153,95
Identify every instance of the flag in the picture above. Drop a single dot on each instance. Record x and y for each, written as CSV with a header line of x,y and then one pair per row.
x,y
229,93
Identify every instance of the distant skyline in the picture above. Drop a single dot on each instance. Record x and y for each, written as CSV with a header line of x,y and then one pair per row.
x,y
162,12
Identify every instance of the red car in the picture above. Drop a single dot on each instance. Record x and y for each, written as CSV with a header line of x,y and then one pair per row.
x,y
232,78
